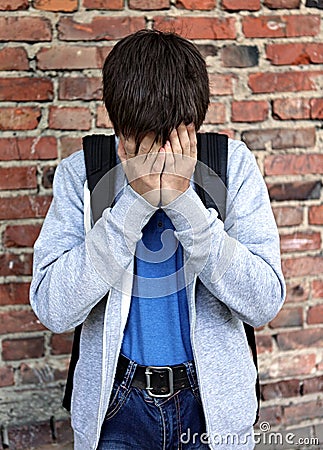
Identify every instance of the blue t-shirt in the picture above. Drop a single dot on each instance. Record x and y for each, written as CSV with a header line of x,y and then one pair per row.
x,y
157,332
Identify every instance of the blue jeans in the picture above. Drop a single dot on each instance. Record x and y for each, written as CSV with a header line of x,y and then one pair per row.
x,y
135,420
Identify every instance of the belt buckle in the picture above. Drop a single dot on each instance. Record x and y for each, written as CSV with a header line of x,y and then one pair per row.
x,y
149,388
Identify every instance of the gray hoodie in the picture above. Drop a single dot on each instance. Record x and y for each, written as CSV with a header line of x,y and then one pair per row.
x,y
232,271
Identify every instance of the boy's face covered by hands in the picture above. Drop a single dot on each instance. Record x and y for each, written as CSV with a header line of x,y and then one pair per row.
x,y
160,173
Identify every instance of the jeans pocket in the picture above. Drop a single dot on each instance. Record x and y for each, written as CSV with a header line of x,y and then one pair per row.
x,y
197,395
117,399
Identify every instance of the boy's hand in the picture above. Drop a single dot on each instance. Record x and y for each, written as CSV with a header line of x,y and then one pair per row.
x,y
180,161
143,170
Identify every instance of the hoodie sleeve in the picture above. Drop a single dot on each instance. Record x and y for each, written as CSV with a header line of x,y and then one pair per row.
x,y
73,271
238,261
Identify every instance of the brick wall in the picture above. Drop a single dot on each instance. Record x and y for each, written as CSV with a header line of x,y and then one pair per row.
x,y
265,64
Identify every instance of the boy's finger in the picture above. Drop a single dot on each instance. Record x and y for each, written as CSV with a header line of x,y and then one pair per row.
x,y
159,162
192,140
121,151
175,142
169,158
129,147
147,144
184,139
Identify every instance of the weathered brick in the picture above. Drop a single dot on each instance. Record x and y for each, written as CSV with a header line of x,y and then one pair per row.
x,y
61,343
216,113
6,376
221,84
69,118
15,349
291,365
149,5
303,411
315,315
300,339
69,58
238,5
314,4
64,432
13,264
295,54
30,29
19,322
196,4
270,414
300,267
28,148
282,4
81,88
264,343
18,178
288,317
249,111
294,164
20,235
39,372
300,241
297,291
297,190
102,118
99,28
198,27
24,206
291,108
207,50
30,436
26,118
287,216
48,176
279,138
316,108
13,58
56,5
13,5
240,55
26,89
281,389
70,145
103,4
312,385
317,288
281,26
315,215
283,82
14,294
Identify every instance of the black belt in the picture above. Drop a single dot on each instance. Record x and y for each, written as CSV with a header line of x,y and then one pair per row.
x,y
160,381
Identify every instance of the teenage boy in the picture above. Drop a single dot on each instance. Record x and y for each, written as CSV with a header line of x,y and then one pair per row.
x,y
164,361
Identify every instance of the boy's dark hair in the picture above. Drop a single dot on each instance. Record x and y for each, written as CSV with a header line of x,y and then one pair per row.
x,y
152,82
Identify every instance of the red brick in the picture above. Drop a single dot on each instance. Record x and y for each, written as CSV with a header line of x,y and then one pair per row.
x,y
297,190
149,5
56,5
64,432
6,376
102,119
20,235
249,111
300,267
237,5
288,317
13,5
198,27
291,365
69,118
69,58
317,288
30,436
48,176
295,54
291,108
14,349
70,145
282,4
315,215
43,372
304,411
300,241
270,414
279,138
287,216
28,148
264,343
316,108
103,4
297,291
196,4
26,118
18,178
283,82
300,339
30,29
99,28
19,322
81,88
315,315
282,389
61,343
24,207
15,264
294,164
312,385
13,59
221,84
240,55
216,113
26,89
14,294
281,26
